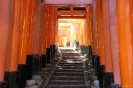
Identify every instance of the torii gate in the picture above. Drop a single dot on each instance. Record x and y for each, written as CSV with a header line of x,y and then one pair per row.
x,y
68,2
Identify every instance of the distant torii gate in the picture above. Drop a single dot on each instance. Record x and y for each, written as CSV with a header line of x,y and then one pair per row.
x,y
67,2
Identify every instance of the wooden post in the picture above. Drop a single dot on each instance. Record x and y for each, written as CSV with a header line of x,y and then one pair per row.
x,y
124,19
85,32
95,28
87,26
45,29
12,53
23,32
5,14
106,37
26,33
30,27
56,26
42,36
36,28
11,74
91,34
113,26
90,27
107,45
100,32
52,26
13,42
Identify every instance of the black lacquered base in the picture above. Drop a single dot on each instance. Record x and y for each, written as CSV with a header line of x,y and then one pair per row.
x,y
30,66
12,79
95,63
113,85
101,70
3,84
22,68
48,55
43,56
53,49
36,64
109,79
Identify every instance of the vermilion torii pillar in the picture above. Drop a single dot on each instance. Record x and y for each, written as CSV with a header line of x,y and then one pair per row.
x,y
55,25
100,42
24,32
5,16
124,19
100,32
113,27
30,27
36,28
13,43
95,34
11,71
45,29
42,35
107,45
91,26
87,26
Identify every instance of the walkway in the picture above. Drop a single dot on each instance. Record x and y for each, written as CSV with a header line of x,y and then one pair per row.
x,y
70,72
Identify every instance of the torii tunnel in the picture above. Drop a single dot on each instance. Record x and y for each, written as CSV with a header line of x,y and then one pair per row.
x,y
31,31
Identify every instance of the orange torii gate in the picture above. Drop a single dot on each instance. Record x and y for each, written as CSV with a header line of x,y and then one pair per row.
x,y
66,2
23,34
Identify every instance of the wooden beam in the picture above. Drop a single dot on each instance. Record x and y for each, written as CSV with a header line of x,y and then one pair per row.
x,y
71,9
68,5
68,2
71,17
71,13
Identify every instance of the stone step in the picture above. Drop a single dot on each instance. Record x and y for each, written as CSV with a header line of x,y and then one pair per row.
x,y
69,73
66,86
66,63
70,67
70,70
67,81
70,62
68,77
